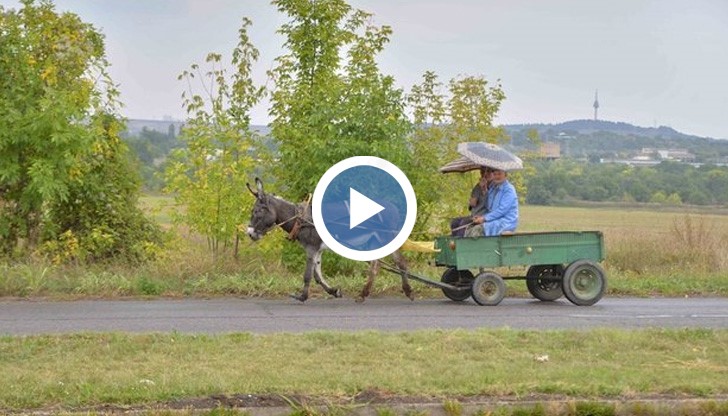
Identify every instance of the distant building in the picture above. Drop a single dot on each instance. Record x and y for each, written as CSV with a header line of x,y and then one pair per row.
x,y
650,156
678,155
550,150
564,136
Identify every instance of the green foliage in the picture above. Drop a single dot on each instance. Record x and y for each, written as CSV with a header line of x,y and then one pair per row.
x,y
668,183
330,100
100,219
441,122
64,178
208,177
45,94
326,110
149,287
151,149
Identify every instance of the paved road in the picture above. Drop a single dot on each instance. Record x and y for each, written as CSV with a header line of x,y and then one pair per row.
x,y
389,314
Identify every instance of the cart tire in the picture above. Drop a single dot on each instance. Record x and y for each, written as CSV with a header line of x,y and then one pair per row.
x,y
584,282
541,282
457,278
488,289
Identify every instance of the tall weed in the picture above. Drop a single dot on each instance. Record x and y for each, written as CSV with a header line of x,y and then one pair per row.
x,y
703,242
691,245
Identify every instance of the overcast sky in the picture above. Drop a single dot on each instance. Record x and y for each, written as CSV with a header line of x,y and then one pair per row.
x,y
654,62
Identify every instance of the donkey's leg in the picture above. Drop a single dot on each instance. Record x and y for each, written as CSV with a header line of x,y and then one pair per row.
x,y
371,275
333,291
306,277
401,264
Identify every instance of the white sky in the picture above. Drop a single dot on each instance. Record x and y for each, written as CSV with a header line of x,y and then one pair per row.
x,y
654,62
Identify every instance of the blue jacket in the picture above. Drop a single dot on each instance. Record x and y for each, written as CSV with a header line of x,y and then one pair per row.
x,y
502,212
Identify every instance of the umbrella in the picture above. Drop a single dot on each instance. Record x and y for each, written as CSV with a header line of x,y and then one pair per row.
x,y
478,154
460,165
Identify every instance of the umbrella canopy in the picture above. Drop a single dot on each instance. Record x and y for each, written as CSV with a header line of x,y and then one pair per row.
x,y
479,154
460,165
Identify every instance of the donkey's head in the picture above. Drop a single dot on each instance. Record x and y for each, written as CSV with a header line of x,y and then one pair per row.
x,y
263,217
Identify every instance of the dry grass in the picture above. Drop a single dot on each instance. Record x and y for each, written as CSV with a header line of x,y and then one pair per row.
x,y
648,253
642,241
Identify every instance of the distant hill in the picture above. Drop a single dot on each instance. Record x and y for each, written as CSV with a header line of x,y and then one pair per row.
x,y
593,126
135,126
600,139
593,139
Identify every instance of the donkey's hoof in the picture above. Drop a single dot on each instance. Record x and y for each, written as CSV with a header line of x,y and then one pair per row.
x,y
300,298
360,299
337,293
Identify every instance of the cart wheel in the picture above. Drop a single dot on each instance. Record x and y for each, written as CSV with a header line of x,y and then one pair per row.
x,y
544,281
488,289
461,278
584,283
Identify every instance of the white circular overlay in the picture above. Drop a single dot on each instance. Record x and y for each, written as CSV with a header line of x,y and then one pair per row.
x,y
318,213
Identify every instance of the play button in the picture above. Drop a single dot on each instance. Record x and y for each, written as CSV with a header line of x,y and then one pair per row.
x,y
361,208
364,208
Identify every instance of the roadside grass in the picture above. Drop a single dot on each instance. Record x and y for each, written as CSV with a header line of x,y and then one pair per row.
x,y
82,370
649,253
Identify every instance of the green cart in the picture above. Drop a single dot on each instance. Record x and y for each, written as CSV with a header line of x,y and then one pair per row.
x,y
559,263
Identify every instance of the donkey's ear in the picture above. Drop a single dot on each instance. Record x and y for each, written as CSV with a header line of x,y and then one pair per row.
x,y
259,184
251,189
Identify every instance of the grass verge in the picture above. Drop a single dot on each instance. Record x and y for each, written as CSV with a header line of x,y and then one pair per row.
x,y
120,369
649,253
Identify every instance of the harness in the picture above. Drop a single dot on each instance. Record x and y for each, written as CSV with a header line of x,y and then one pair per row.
x,y
299,220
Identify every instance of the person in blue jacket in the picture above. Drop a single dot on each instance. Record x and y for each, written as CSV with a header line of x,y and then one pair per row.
x,y
502,208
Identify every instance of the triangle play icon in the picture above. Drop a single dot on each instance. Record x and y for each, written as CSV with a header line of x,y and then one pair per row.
x,y
361,208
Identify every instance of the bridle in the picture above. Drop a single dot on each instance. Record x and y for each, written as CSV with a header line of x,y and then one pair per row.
x,y
298,218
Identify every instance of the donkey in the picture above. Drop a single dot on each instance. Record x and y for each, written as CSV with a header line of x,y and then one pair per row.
x,y
270,211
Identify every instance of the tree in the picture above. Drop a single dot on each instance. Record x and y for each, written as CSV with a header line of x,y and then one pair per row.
x,y
208,177
717,185
325,110
58,128
473,107
442,121
100,219
431,145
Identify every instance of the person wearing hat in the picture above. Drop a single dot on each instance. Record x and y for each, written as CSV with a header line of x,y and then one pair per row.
x,y
502,208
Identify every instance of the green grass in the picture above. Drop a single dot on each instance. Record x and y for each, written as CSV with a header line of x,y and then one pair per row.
x,y
91,369
159,207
